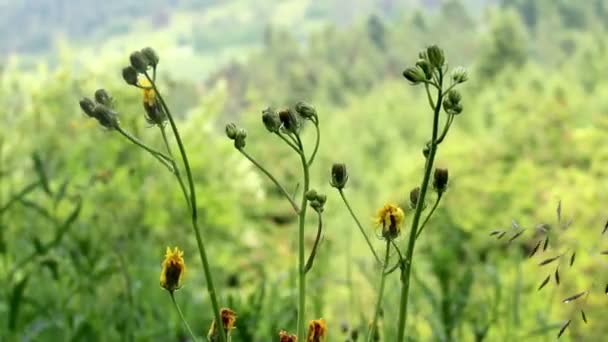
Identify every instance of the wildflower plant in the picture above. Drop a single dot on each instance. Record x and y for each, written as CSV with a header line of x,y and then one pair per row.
x,y
288,125
141,74
431,71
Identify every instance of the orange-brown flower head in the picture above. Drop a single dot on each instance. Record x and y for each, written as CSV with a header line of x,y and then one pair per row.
x,y
284,336
228,321
389,218
316,330
173,269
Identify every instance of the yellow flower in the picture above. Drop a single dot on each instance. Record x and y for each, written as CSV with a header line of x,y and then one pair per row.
x,y
149,94
316,330
228,321
284,336
154,111
389,218
174,269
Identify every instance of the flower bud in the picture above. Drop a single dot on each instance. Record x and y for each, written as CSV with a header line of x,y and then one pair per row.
x,y
414,195
311,195
151,56
322,198
415,75
460,75
454,96
426,68
426,150
239,139
271,120
305,110
87,106
139,62
289,120
339,176
105,116
451,104
104,98
440,180
231,130
129,74
435,56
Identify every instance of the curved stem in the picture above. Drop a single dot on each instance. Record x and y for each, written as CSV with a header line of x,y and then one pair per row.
x,y
176,171
194,216
301,267
166,160
428,95
318,140
429,215
313,252
352,213
370,332
405,279
294,147
181,315
445,129
271,177
401,261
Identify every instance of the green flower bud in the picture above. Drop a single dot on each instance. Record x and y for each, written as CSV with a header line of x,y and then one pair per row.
x,y
339,176
452,104
305,110
289,120
440,180
151,56
426,150
239,139
435,56
129,74
454,96
426,68
87,106
271,120
104,98
322,198
415,75
311,195
106,116
414,195
139,62
231,131
460,75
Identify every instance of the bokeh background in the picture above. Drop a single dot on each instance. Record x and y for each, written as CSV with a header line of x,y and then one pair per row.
x,y
85,216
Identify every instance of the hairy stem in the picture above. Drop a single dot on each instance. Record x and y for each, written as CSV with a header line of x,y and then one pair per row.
x,y
370,333
429,215
352,213
176,171
181,316
164,159
301,266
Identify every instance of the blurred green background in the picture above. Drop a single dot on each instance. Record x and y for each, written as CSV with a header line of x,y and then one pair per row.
x,y
85,216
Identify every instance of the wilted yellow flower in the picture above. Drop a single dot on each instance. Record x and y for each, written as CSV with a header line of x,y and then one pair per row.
x,y
316,330
154,111
174,269
389,218
284,336
228,321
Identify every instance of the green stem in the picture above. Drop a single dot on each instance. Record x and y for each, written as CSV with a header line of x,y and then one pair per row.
x,y
181,315
429,215
164,159
405,279
318,140
176,171
445,129
313,252
301,266
294,147
370,333
194,216
271,177
352,213
21,194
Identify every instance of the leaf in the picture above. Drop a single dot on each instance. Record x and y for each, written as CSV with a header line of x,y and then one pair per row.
x,y
548,261
574,297
535,249
584,316
41,172
572,258
544,282
559,211
564,327
15,302
557,275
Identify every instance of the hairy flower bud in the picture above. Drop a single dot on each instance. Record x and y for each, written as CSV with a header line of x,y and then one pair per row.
x,y
271,120
452,104
426,68
435,56
440,180
130,75
289,120
305,110
105,116
414,74
239,139
104,98
231,130
339,176
414,195
87,106
151,56
460,75
139,62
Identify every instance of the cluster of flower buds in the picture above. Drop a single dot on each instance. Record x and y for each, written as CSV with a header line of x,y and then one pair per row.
x,y
452,103
317,201
287,119
339,176
102,109
237,134
429,61
140,62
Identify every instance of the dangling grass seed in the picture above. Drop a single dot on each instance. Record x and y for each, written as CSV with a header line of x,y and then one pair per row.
x,y
500,235
564,327
544,282
574,297
605,228
518,234
535,249
557,275
572,258
559,211
546,243
548,261
495,232
584,316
